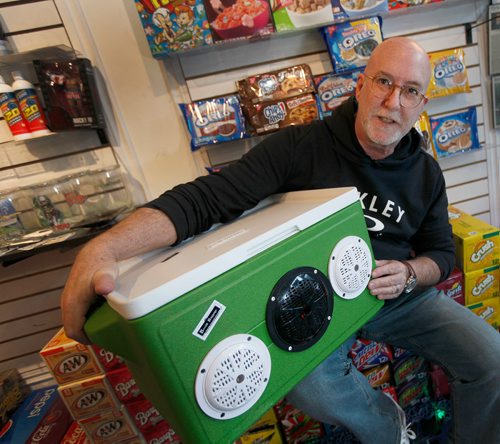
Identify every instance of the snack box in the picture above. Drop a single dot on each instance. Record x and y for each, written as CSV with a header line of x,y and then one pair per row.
x,y
109,427
69,360
75,435
480,285
477,243
87,397
488,310
265,430
41,419
297,14
453,287
13,391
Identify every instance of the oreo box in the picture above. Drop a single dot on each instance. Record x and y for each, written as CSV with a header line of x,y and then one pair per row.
x,y
41,419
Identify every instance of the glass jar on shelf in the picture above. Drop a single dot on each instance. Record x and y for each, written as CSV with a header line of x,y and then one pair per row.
x,y
111,184
50,205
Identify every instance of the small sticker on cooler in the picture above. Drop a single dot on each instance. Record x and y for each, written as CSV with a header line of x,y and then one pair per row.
x,y
210,318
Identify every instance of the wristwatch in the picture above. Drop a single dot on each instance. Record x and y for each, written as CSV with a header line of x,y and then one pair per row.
x,y
411,282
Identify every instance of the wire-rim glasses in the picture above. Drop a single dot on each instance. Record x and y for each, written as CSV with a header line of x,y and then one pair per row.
x,y
382,87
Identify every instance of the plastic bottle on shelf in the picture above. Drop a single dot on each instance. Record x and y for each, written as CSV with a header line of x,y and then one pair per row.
x,y
29,105
12,113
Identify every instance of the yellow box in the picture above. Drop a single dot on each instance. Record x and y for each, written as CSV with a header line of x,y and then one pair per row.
x,y
477,243
480,285
489,310
266,430
69,360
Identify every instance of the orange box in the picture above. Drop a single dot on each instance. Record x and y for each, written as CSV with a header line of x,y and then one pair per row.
x,y
75,435
488,310
480,285
87,397
69,360
477,243
109,427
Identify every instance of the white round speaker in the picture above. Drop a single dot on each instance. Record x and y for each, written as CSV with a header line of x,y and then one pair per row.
x,y
232,376
350,267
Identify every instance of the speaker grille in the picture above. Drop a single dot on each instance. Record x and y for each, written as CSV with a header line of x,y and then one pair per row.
x,y
233,376
299,309
350,267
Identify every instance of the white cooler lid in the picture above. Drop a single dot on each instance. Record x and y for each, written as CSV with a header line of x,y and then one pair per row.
x,y
150,281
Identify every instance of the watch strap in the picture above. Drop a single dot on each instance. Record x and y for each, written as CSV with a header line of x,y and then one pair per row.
x,y
411,282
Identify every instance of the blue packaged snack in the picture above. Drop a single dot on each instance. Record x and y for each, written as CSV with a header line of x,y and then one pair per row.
x,y
455,133
214,120
351,44
333,89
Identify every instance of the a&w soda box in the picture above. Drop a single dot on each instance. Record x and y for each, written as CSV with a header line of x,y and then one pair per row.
x,y
69,360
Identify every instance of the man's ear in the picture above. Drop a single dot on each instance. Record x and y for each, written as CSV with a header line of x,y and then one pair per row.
x,y
359,85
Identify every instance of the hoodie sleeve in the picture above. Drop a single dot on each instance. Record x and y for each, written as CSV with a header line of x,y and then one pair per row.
x,y
434,239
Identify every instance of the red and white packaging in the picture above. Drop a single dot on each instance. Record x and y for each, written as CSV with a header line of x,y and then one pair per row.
x,y
109,427
366,354
87,397
108,360
75,435
453,287
124,385
144,414
161,433
379,376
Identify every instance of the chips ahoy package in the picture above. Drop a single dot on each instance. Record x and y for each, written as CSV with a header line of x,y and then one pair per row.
x,y
455,133
214,120
351,44
174,25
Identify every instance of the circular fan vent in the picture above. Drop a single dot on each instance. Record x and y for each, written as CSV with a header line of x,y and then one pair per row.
x,y
233,376
299,309
350,267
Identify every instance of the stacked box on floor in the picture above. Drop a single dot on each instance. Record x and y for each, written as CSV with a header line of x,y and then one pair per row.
x,y
87,392
478,256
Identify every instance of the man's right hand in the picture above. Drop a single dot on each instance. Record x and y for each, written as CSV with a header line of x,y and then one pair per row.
x,y
94,273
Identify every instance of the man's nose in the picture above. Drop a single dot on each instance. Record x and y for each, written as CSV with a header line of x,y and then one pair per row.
x,y
392,99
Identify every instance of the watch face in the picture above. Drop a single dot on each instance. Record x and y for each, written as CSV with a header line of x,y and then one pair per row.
x,y
411,283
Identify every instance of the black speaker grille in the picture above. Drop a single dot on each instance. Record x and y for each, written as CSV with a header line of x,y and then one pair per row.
x,y
299,308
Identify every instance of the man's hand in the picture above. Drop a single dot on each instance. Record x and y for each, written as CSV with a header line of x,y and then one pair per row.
x,y
93,273
388,279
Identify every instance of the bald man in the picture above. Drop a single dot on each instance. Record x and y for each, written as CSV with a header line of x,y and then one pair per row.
x,y
369,142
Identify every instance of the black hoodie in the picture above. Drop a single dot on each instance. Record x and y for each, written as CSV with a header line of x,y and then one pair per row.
x,y
403,196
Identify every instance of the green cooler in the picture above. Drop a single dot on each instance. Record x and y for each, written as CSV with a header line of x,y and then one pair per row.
x,y
219,328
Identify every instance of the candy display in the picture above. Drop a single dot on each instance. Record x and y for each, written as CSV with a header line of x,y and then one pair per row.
x,y
175,26
233,19
214,120
449,73
350,44
455,132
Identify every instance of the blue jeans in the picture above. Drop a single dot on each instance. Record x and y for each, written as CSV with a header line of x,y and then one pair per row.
x,y
430,325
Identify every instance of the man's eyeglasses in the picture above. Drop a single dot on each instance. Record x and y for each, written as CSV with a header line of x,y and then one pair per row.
x,y
382,87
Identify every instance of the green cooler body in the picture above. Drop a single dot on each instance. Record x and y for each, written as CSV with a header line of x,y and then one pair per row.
x,y
221,327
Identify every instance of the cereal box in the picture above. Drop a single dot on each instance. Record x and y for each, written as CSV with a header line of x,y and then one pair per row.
x,y
482,284
351,44
477,243
488,310
173,25
296,14
455,133
236,19
354,9
69,360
